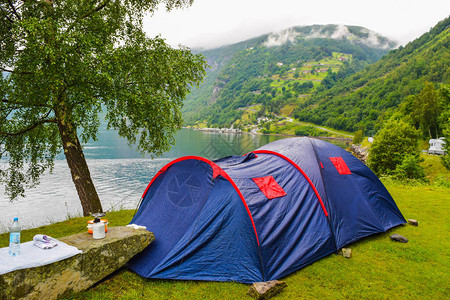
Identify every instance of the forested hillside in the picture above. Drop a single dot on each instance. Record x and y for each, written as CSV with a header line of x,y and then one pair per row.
x,y
276,72
370,97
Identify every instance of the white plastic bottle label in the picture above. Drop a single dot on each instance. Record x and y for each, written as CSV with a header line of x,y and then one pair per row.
x,y
14,238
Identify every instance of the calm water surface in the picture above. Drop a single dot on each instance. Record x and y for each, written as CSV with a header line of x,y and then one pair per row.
x,y
120,174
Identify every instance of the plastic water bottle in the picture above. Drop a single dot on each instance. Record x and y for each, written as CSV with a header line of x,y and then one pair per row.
x,y
14,238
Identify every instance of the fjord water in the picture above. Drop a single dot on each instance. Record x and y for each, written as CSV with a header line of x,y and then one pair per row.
x,y
120,174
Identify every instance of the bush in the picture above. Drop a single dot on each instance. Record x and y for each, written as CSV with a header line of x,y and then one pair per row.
x,y
394,141
446,161
410,168
358,137
442,181
301,132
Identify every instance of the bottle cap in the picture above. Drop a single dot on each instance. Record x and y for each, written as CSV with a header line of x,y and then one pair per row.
x,y
16,219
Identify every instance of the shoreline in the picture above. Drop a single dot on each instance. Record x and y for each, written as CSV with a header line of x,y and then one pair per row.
x,y
237,131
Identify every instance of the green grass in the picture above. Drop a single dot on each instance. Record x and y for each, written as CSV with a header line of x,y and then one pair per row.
x,y
379,268
333,132
287,110
285,127
435,170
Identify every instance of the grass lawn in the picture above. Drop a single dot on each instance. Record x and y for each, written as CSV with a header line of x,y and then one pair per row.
x,y
434,169
379,268
284,127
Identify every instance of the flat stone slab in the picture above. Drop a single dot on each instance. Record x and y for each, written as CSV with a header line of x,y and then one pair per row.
x,y
413,222
77,273
399,238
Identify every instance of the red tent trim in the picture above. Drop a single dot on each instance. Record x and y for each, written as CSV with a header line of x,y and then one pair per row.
x,y
216,172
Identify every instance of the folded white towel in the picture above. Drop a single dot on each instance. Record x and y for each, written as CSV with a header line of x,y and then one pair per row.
x,y
44,241
136,226
44,246
42,238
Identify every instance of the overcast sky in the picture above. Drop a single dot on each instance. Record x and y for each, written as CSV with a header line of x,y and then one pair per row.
x,y
212,23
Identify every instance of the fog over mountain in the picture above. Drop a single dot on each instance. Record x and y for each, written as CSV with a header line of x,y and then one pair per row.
x,y
210,24
338,32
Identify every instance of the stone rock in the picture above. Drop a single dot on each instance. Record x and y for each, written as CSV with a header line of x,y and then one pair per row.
x,y
361,153
266,290
399,238
413,222
77,273
346,252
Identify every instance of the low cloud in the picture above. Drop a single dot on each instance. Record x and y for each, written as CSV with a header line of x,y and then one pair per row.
x,y
337,32
341,32
281,38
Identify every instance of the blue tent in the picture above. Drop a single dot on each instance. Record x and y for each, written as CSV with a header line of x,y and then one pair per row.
x,y
259,216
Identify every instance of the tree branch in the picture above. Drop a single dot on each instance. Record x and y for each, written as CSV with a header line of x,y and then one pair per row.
x,y
126,79
29,128
23,105
15,72
96,9
3,151
100,7
14,10
10,108
6,15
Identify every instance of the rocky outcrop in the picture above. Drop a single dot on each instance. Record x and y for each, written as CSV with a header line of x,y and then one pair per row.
x,y
99,259
361,153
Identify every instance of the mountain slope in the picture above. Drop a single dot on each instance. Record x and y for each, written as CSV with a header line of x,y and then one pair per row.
x,y
276,70
368,98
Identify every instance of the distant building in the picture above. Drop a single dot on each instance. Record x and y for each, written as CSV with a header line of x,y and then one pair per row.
x,y
437,146
263,119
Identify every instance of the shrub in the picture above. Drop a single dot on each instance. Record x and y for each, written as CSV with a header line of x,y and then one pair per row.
x,y
446,161
358,137
410,168
394,141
